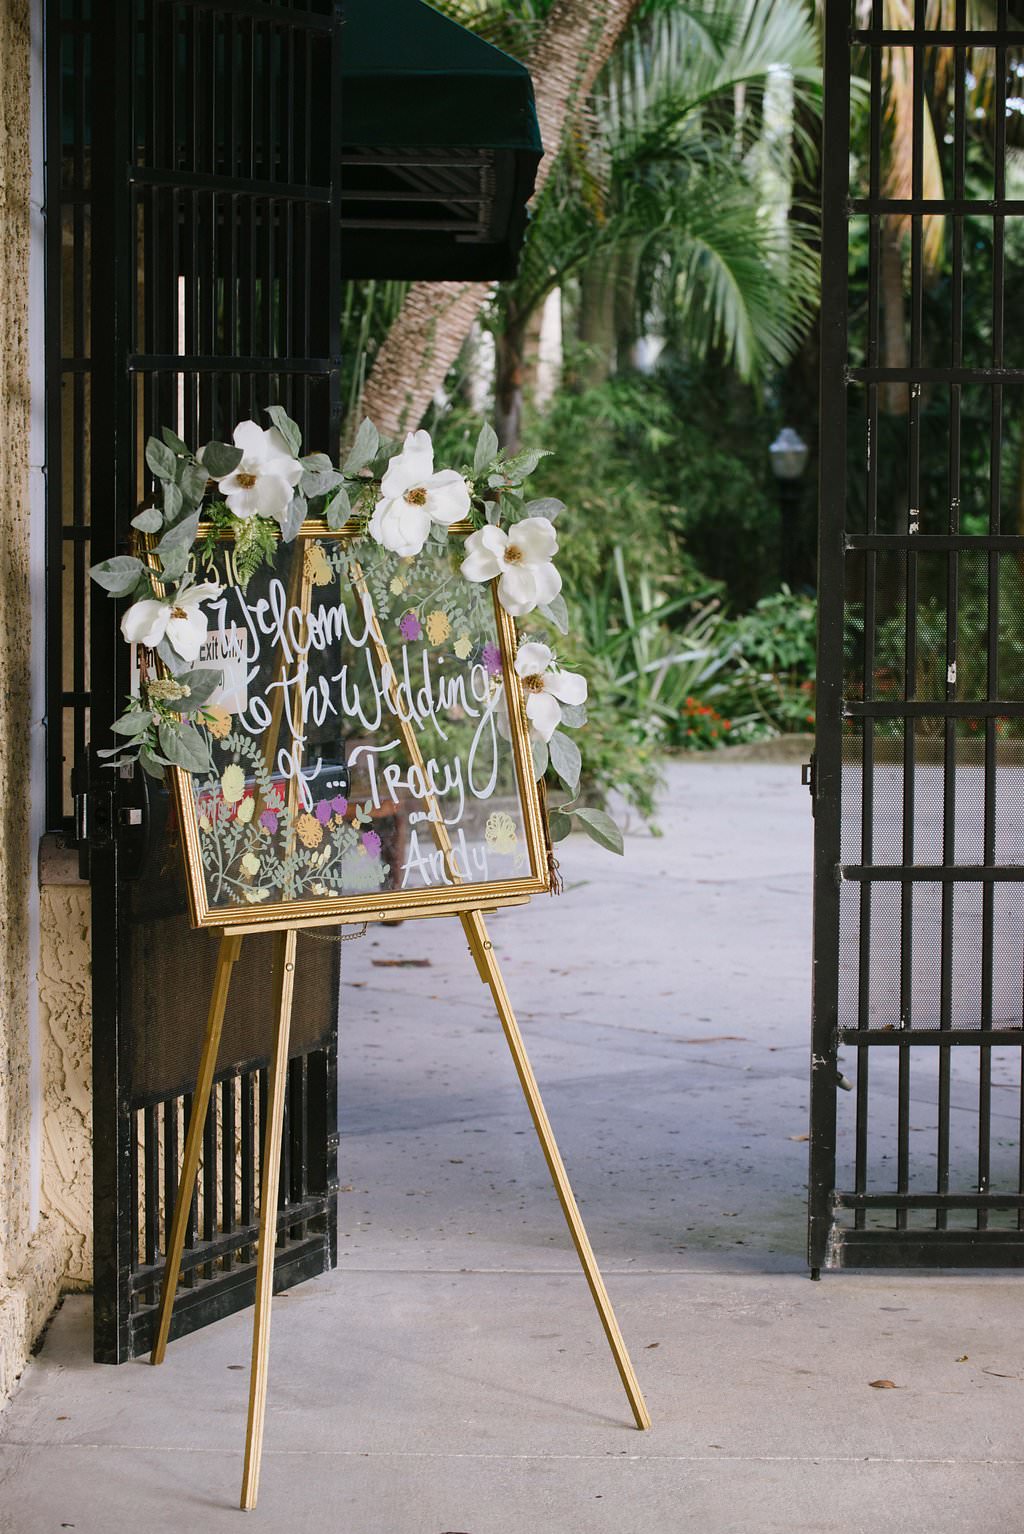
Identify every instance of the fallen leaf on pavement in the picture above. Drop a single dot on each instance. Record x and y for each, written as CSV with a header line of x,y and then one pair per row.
x,y
798,1137
883,1385
962,1359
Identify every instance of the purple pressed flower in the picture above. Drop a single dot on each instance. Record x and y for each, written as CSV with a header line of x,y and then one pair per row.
x,y
410,627
491,657
323,811
268,820
339,805
371,841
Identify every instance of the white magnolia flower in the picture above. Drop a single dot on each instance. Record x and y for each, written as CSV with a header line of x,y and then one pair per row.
x,y
413,496
520,560
180,619
546,687
264,482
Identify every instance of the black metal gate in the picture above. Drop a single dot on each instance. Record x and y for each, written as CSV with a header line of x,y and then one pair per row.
x,y
919,780
193,277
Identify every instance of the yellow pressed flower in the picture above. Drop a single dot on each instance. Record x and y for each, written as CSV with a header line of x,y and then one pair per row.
x,y
244,813
310,831
250,865
437,626
254,895
205,823
397,585
218,721
232,783
316,565
463,647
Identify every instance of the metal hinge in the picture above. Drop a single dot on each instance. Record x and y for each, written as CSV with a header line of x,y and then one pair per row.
x,y
808,778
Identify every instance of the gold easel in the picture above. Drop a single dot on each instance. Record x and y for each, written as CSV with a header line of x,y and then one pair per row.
x,y
482,950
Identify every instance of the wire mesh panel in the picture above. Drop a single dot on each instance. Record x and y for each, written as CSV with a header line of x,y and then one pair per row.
x,y
193,197
919,781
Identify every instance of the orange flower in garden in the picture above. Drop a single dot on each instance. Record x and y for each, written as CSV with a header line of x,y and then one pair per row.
x,y
311,832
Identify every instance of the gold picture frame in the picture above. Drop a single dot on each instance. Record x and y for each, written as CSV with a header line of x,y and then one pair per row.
x,y
456,894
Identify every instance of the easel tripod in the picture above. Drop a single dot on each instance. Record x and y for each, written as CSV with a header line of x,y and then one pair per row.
x,y
230,941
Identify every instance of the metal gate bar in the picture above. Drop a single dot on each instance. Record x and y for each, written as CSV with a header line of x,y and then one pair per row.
x,y
919,762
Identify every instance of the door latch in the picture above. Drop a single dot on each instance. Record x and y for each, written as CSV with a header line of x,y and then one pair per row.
x,y
808,778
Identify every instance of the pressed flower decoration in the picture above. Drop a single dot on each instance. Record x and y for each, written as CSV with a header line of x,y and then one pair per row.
x,y
259,489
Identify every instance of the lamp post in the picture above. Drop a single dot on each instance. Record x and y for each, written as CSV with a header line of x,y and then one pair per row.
x,y
789,453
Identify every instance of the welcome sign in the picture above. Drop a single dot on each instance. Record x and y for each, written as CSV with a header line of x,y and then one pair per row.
x,y
369,757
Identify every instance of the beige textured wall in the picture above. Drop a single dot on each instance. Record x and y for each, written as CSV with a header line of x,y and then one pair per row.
x,y
65,1020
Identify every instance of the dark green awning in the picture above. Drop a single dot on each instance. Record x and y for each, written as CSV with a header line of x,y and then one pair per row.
x,y
440,146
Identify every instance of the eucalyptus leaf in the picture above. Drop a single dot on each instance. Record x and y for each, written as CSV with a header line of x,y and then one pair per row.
x,y
137,722
151,764
173,501
173,441
602,829
118,575
486,448
492,511
540,759
316,482
148,521
184,747
181,535
565,759
193,482
559,825
170,657
161,460
287,427
574,715
557,613
174,562
202,684
339,510
221,459
364,448
293,518
439,534
549,506
316,463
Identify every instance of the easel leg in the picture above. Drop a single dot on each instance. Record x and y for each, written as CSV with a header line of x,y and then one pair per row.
x,y
230,947
284,986
483,952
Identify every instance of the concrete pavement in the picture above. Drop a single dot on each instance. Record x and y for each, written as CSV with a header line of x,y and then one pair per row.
x,y
451,1375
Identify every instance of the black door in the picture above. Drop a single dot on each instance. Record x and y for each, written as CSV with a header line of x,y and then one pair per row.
x,y
193,278
919,790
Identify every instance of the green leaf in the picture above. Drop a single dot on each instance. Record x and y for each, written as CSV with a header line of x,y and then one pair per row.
x,y
565,759
574,715
174,562
170,657
287,427
294,516
148,521
193,482
221,459
202,684
339,510
559,825
439,534
492,511
557,613
161,460
364,448
136,722
181,535
151,764
118,575
184,746
540,758
602,829
550,506
486,448
173,441
316,482
515,470
173,501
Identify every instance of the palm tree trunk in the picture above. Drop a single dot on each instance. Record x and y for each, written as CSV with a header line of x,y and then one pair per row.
x,y
894,398
436,317
509,366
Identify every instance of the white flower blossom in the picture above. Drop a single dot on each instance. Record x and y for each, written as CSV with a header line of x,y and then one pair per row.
x,y
413,497
264,482
520,561
546,687
179,618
